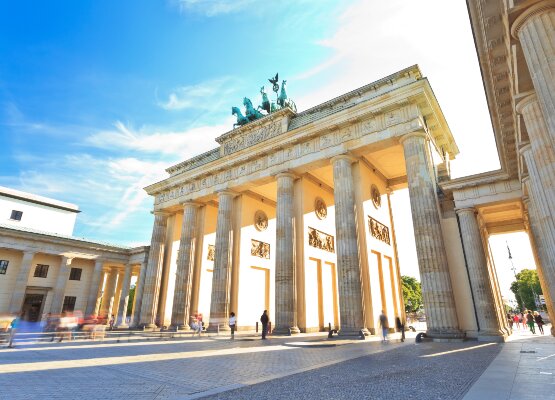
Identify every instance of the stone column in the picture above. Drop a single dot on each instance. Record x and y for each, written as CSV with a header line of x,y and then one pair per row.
x,y
541,257
221,278
135,318
60,286
93,302
185,265
482,290
542,147
117,295
109,294
18,294
351,307
124,298
286,291
535,29
437,292
151,288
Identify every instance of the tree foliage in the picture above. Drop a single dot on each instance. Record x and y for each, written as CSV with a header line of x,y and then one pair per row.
x,y
412,294
526,285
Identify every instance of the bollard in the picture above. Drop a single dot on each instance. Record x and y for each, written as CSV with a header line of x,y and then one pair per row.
x,y
270,328
256,326
329,326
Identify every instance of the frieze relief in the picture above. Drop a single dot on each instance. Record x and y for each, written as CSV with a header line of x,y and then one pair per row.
x,y
378,230
260,249
211,252
405,120
321,240
251,138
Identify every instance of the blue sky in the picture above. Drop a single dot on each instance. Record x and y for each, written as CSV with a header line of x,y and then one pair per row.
x,y
98,97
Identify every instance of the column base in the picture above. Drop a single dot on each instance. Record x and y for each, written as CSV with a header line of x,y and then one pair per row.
x,y
352,333
214,328
148,327
286,330
121,326
496,337
176,328
446,335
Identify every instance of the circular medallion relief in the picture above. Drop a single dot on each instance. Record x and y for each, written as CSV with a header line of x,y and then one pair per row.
x,y
260,221
320,208
376,196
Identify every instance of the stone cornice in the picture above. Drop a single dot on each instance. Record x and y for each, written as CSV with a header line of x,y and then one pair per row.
x,y
365,124
474,180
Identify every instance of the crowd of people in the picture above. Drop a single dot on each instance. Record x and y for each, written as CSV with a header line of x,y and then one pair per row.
x,y
526,320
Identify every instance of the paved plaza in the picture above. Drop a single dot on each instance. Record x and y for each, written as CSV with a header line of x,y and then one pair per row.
x,y
306,366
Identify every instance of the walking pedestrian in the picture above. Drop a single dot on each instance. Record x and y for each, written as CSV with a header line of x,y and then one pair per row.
x,y
523,320
384,326
112,320
539,321
232,324
400,327
264,319
510,320
13,329
530,321
517,321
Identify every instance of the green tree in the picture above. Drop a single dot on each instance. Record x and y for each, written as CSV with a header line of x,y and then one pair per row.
x,y
526,285
130,302
412,294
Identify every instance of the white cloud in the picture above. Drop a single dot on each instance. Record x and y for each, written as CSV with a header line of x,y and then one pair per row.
x,y
180,144
211,8
375,39
209,95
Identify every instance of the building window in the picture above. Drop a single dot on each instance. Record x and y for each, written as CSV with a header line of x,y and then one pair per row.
x,y
3,266
69,304
16,215
41,271
75,274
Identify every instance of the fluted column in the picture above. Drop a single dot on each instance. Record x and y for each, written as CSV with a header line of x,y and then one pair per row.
x,y
543,150
135,317
351,307
149,305
93,302
437,292
542,258
109,293
118,294
285,285
535,29
124,298
60,285
18,294
482,290
185,265
221,278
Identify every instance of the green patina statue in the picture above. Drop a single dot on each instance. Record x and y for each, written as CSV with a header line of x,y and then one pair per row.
x,y
252,114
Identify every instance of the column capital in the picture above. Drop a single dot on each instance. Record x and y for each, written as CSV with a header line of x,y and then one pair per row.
x,y
190,203
66,260
160,213
524,149
226,192
29,253
465,210
525,102
420,133
286,174
539,7
345,156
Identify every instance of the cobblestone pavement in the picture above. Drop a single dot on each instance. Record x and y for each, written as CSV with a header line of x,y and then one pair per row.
x,y
306,366
424,371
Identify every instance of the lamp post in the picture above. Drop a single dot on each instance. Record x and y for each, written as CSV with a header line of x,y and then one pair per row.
x,y
521,302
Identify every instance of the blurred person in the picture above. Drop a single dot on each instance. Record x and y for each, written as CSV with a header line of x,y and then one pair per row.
x,y
539,321
196,325
13,329
401,327
232,324
264,319
384,325
112,319
510,320
516,320
523,320
530,321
